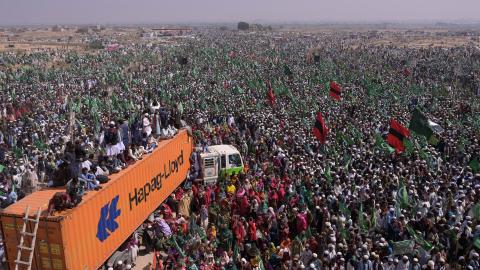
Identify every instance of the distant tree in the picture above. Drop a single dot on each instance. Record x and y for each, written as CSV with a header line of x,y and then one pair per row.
x,y
182,60
243,26
223,28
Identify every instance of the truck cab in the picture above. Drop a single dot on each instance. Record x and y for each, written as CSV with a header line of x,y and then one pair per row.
x,y
219,160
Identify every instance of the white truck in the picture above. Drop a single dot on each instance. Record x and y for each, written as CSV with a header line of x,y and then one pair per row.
x,y
220,160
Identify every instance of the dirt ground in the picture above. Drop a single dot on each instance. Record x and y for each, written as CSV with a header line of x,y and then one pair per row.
x,y
143,260
18,40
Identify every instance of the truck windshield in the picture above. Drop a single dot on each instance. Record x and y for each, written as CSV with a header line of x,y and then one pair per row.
x,y
234,160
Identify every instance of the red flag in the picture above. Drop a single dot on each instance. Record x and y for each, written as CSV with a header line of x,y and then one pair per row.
x,y
232,54
335,90
320,130
396,135
270,94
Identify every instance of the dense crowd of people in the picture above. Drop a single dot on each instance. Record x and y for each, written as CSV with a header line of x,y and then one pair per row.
x,y
71,119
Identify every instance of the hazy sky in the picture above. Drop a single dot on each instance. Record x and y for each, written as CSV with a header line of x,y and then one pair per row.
x,y
151,11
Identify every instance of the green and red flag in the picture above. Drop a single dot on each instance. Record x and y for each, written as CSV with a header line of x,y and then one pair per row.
x,y
396,135
335,90
320,130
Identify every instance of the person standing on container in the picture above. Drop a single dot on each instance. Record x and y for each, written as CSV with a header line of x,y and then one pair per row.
x,y
111,140
147,128
125,133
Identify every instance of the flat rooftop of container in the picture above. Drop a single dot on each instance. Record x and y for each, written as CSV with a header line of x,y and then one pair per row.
x,y
42,197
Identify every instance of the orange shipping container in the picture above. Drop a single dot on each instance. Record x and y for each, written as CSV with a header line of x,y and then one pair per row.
x,y
86,236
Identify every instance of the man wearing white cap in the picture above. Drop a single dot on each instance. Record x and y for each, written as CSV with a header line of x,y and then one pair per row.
x,y
416,265
365,263
147,128
317,264
474,261
404,264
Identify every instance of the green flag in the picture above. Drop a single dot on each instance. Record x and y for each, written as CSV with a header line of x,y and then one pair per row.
x,y
343,209
75,106
287,70
177,247
235,251
328,175
476,211
17,152
403,247
361,220
348,159
238,90
462,142
433,140
419,124
474,164
408,146
476,242
402,195
423,154
40,145
343,232
373,89
1,168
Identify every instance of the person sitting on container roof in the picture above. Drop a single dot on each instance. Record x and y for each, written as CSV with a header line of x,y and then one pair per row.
x,y
90,179
12,197
75,188
151,144
59,202
101,172
130,156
